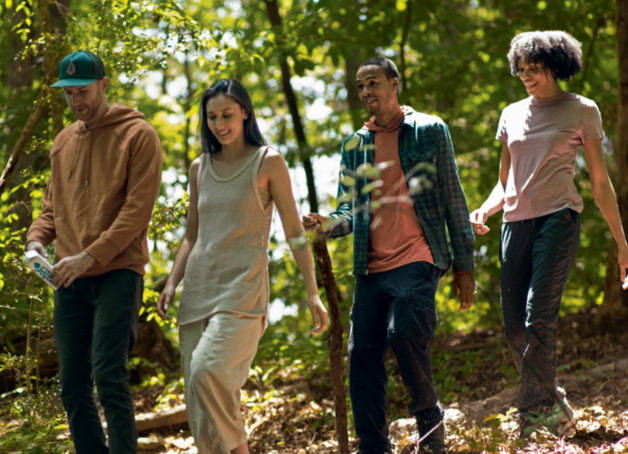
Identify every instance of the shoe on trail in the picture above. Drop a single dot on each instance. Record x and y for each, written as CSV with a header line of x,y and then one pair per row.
x,y
431,436
559,419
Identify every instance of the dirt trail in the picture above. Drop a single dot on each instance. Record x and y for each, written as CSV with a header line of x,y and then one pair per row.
x,y
593,368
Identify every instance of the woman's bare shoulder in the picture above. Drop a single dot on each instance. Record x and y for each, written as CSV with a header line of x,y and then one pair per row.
x,y
273,158
196,164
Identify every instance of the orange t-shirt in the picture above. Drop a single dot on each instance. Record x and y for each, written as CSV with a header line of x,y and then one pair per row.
x,y
396,237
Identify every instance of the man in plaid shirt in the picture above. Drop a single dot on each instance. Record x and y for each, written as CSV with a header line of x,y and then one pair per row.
x,y
398,192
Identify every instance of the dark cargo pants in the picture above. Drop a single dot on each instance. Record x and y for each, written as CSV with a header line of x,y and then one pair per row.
x,y
394,308
536,258
96,322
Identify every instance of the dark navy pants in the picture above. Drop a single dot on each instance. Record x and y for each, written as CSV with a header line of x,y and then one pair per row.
x,y
96,322
536,258
394,308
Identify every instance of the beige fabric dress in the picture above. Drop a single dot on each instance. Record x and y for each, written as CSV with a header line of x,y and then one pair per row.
x,y
227,269
224,301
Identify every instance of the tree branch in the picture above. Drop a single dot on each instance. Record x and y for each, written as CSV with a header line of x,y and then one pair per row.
x,y
50,62
335,341
587,58
614,311
275,20
404,39
33,119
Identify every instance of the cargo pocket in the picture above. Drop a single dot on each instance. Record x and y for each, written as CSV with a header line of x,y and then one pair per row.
x,y
413,317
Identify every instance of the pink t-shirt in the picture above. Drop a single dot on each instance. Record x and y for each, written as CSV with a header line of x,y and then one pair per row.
x,y
544,137
396,237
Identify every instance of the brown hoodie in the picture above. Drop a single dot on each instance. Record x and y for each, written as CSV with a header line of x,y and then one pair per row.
x,y
102,189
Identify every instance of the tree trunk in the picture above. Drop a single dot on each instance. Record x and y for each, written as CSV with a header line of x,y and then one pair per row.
x,y
356,108
275,20
20,73
402,45
613,314
50,62
19,77
29,330
153,345
335,342
33,119
187,107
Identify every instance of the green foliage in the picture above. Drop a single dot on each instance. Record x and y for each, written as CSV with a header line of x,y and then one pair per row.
x,y
38,424
162,55
287,356
173,393
166,218
34,423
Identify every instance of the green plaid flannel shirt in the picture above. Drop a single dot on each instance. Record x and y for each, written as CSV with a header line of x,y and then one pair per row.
x,y
426,153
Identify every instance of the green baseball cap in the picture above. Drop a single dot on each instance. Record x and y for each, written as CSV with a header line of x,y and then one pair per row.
x,y
80,68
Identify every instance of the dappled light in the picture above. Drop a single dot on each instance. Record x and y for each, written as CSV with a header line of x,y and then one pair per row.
x,y
298,60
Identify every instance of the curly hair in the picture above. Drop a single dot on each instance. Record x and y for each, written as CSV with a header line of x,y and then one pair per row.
x,y
557,51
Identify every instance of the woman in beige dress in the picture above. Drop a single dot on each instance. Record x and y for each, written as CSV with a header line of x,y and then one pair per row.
x,y
223,258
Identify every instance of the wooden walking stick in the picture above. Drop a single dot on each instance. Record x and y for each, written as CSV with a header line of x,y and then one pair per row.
x,y
334,342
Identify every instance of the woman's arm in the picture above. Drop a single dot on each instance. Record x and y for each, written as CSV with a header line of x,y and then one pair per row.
x,y
604,195
495,201
191,233
274,175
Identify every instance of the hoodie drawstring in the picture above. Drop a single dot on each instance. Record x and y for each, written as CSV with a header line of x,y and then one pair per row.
x,y
89,156
74,155
89,160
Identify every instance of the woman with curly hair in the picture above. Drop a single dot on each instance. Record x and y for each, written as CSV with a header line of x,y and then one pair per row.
x,y
541,137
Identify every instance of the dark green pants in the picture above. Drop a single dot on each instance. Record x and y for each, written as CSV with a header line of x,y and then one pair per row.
x,y
95,321
536,257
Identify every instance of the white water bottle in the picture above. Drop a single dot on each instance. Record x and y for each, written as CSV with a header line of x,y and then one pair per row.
x,y
39,266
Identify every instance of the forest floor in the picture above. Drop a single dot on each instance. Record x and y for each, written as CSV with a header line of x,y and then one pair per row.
x,y
299,419
295,415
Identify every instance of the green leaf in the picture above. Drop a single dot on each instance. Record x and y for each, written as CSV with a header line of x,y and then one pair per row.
x,y
371,186
352,143
366,170
346,180
300,66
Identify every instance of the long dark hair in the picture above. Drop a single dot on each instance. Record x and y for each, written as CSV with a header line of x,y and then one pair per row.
x,y
236,90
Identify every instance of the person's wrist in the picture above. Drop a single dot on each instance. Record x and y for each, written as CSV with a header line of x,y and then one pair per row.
x,y
31,245
313,298
325,224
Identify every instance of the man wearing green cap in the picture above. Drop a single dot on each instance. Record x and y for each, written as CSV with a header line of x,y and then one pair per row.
x,y
104,181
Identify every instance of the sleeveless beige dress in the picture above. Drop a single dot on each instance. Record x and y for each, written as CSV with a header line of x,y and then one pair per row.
x,y
227,270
